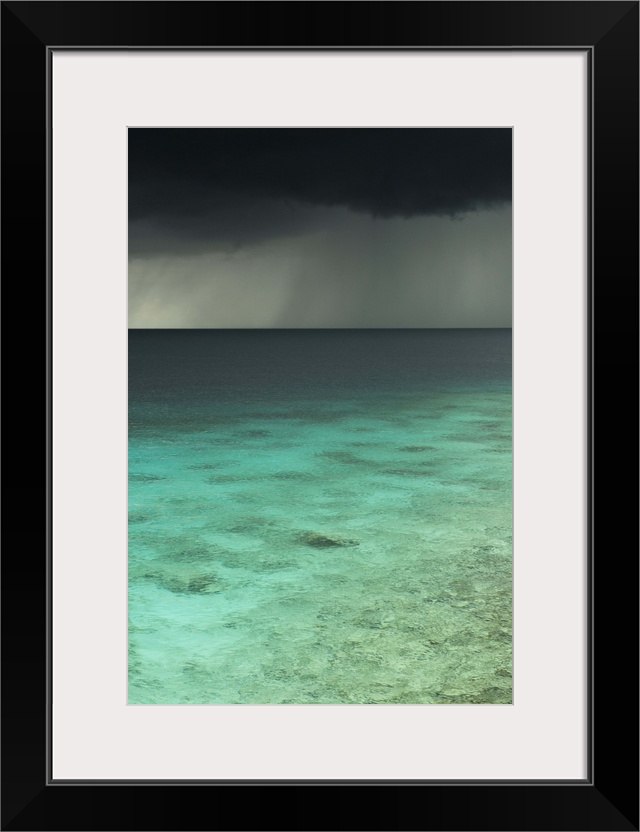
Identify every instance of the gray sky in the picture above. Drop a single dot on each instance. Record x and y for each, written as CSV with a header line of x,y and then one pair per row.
x,y
319,228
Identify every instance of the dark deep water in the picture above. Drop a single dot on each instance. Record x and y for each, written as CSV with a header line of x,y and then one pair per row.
x,y
320,516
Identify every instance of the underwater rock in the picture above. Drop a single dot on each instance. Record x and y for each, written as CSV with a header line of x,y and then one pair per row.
x,y
138,517
405,472
292,475
145,478
322,541
181,583
346,457
497,696
202,583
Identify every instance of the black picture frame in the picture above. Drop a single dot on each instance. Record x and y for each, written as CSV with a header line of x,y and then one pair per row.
x,y
608,798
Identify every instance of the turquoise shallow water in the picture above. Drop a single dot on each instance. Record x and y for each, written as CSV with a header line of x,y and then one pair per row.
x,y
320,518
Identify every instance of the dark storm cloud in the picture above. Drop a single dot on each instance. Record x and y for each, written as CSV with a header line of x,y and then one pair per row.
x,y
196,189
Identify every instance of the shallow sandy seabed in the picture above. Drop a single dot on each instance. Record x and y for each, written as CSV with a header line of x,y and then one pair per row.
x,y
354,548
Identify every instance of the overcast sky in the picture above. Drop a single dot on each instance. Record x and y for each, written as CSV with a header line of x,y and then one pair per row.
x,y
326,227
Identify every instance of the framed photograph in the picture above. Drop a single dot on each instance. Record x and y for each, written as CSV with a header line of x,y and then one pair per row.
x,y
330,292
320,407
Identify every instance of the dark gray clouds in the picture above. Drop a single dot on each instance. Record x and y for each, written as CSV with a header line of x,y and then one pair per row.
x,y
227,223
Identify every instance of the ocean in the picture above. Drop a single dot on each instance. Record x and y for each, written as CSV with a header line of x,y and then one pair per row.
x,y
320,516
